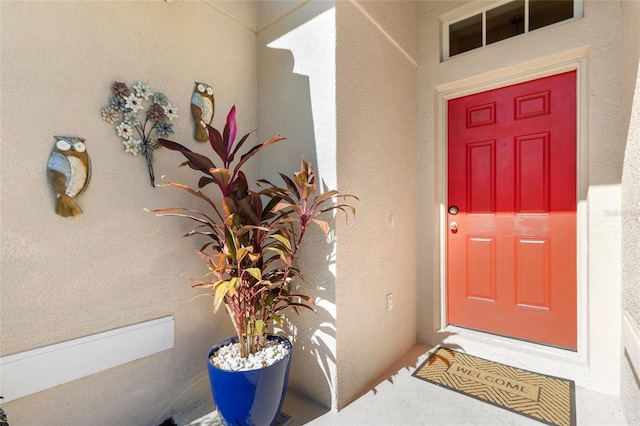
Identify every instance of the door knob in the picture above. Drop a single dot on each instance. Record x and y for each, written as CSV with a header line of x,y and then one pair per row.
x,y
453,226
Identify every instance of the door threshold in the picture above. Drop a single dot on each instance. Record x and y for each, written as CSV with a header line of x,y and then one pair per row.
x,y
529,356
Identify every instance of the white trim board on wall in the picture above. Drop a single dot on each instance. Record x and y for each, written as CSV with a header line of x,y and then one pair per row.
x,y
39,369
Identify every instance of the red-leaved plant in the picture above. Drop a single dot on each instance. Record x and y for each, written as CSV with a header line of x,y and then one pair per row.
x,y
255,236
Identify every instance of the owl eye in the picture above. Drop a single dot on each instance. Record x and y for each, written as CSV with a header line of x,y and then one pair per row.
x,y
63,145
201,88
210,91
79,147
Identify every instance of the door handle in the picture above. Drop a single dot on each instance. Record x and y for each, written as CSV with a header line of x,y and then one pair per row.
x,y
453,226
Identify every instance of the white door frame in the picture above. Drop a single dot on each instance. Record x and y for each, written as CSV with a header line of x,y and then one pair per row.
x,y
544,359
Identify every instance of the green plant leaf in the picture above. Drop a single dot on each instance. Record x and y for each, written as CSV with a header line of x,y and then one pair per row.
x,y
277,250
196,161
195,193
283,206
322,224
232,242
238,145
241,253
271,297
221,289
230,129
291,185
307,191
229,206
233,284
255,272
295,304
216,142
268,209
284,241
342,207
276,318
221,175
324,197
204,181
259,327
304,297
247,208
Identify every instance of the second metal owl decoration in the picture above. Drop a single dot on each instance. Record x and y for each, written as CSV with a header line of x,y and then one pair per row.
x,y
69,172
202,109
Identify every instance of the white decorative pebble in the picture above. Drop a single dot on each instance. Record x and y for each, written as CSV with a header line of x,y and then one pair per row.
x,y
228,357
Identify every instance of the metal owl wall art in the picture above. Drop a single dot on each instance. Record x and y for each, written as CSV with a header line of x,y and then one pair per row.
x,y
202,109
68,171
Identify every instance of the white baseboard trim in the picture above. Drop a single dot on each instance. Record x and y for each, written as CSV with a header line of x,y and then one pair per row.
x,y
38,369
631,340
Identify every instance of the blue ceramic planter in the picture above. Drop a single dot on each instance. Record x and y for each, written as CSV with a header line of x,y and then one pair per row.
x,y
251,397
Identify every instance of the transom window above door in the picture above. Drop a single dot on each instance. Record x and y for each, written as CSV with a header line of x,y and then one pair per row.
x,y
504,20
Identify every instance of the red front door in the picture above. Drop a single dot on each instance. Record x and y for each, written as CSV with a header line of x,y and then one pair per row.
x,y
511,236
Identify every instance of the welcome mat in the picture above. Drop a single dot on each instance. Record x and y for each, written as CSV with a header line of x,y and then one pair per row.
x,y
548,399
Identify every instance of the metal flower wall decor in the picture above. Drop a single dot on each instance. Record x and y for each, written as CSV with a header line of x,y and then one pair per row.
x,y
140,133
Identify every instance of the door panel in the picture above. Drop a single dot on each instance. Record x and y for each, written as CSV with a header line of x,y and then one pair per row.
x,y
532,173
511,262
481,268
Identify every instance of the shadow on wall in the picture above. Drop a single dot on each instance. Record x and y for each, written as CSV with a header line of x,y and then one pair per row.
x,y
313,335
289,113
296,87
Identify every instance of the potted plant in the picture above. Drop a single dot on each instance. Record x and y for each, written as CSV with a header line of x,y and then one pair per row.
x,y
253,240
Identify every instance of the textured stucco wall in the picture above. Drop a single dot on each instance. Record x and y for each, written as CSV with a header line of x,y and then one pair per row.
x,y
376,254
630,386
115,265
598,33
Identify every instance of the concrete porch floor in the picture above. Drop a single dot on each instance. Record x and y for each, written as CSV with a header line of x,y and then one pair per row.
x,y
397,398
